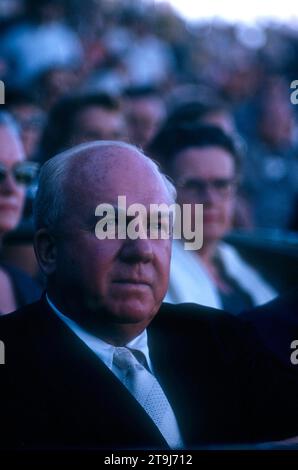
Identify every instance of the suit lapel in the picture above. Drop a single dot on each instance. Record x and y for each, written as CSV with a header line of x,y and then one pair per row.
x,y
91,394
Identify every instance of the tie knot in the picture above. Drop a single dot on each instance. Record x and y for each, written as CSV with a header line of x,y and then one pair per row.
x,y
124,359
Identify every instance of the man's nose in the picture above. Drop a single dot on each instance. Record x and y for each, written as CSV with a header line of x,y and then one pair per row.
x,y
210,196
137,251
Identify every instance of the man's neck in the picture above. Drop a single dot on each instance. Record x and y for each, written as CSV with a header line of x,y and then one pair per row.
x,y
96,323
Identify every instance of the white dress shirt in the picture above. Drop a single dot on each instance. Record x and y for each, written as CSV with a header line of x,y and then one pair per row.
x,y
103,350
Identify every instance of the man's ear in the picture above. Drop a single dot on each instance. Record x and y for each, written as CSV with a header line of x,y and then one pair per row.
x,y
45,251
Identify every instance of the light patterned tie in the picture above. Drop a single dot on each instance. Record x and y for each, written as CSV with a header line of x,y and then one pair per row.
x,y
147,391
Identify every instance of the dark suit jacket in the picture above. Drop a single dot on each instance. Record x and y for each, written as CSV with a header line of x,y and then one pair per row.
x,y
25,288
55,393
277,324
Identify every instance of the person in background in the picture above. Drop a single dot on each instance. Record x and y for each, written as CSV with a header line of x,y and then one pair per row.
x,y
194,109
270,173
277,325
30,118
17,249
55,83
16,288
41,39
205,165
145,112
82,118
187,108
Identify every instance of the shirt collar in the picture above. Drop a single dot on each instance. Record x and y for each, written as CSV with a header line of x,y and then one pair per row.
x,y
103,350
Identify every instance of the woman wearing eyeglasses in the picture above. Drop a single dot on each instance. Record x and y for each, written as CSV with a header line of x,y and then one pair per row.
x,y
16,288
204,164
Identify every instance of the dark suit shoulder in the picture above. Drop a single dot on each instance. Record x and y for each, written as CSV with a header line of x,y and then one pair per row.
x,y
199,315
209,327
277,325
17,323
280,308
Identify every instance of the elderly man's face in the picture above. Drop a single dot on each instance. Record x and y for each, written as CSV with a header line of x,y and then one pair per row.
x,y
123,280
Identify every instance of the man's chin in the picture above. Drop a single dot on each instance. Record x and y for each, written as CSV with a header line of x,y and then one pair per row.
x,y
132,312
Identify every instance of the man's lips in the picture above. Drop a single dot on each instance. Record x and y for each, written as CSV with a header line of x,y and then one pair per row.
x,y
136,282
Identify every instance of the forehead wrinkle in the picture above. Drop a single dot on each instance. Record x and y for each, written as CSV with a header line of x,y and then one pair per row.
x,y
97,168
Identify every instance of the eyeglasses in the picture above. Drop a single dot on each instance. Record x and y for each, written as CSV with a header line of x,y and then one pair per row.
x,y
222,187
24,173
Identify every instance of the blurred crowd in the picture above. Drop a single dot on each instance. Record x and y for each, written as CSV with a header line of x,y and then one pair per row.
x,y
136,71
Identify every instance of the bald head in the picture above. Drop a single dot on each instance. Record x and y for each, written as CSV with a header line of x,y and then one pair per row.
x,y
94,169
